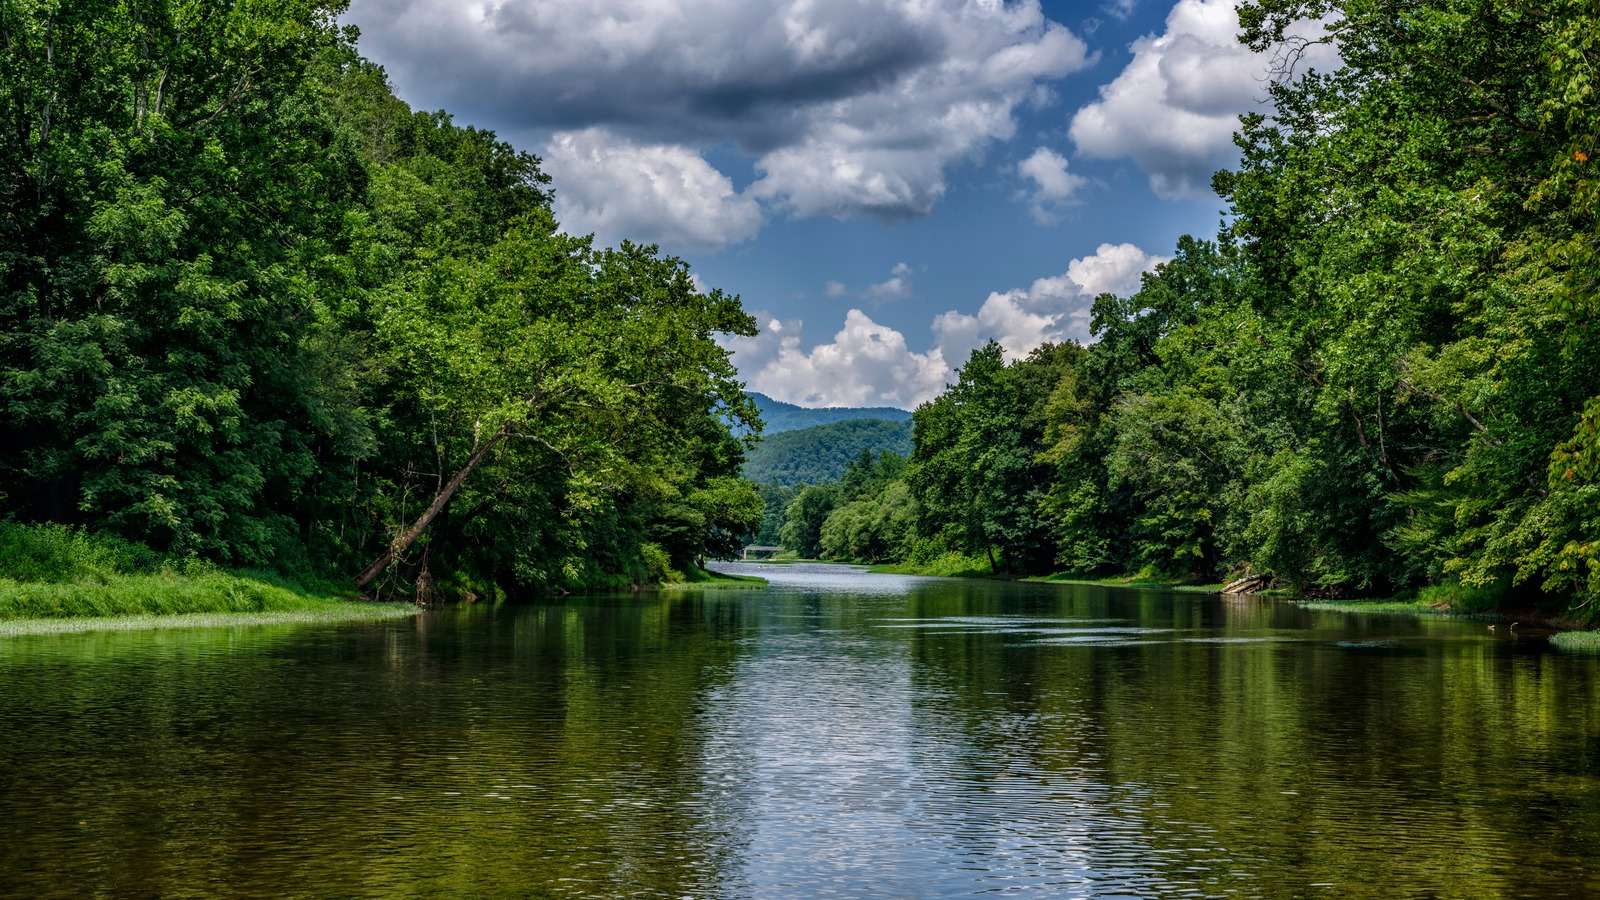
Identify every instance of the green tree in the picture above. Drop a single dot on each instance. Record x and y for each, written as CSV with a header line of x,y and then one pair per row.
x,y
803,520
172,191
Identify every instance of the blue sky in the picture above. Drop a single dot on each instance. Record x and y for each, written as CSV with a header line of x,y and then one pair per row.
x,y
886,183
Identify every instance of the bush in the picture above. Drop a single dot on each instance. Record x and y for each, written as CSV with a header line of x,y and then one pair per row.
x,y
57,553
53,571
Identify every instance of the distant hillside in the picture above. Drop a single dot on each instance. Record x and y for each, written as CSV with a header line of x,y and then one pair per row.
x,y
781,416
818,454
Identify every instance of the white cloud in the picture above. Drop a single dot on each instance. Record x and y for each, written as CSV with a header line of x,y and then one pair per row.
x,y
1053,186
1050,310
866,364
847,107
1113,269
1174,108
897,287
657,193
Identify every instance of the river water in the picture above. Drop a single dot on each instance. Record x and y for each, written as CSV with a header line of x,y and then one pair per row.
x,y
837,734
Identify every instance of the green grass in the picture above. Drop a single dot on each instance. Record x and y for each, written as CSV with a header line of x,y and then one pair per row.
x,y
1465,599
697,577
1447,599
1585,641
159,593
1404,607
329,611
946,565
1146,580
54,572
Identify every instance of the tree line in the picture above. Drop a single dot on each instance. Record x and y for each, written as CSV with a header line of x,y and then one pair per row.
x,y
1382,374
255,309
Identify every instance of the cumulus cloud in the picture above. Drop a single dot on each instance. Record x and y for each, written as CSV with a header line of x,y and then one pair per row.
x,y
1174,108
846,107
870,364
1053,186
657,193
1049,310
866,364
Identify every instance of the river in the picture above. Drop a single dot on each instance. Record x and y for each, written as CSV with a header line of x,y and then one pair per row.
x,y
837,734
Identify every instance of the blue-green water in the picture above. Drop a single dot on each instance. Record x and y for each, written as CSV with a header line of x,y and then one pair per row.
x,y
838,734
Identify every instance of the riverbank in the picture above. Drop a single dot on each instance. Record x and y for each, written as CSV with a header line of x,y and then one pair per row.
x,y
1436,600
955,565
329,612
173,598
710,578
55,574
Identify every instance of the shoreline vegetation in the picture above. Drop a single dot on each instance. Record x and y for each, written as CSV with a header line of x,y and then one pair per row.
x,y
55,579
1436,600
1377,380
267,338
696,578
294,336
330,610
52,573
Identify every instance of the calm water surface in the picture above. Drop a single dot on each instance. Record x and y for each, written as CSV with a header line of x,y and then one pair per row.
x,y
836,735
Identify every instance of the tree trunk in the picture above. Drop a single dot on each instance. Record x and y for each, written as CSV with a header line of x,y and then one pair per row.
x,y
410,535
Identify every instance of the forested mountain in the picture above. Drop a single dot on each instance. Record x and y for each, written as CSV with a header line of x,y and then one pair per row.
x,y
255,309
823,452
780,416
1383,373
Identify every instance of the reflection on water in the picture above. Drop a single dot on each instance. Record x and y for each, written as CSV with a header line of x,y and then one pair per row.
x,y
838,734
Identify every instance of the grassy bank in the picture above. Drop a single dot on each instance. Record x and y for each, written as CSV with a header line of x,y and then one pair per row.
x,y
1580,641
697,577
51,572
1146,580
328,611
1389,607
957,565
948,565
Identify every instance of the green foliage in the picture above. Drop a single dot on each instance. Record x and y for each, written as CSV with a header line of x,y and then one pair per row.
x,y
58,553
775,500
1577,641
949,564
256,310
822,452
976,473
53,571
1381,377
803,519
878,525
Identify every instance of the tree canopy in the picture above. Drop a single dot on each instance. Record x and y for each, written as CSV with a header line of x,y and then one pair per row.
x,y
1380,376
254,308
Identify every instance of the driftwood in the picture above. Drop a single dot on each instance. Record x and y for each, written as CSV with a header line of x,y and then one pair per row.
x,y
1249,584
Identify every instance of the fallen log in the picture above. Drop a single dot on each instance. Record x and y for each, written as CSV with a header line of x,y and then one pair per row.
x,y
1249,584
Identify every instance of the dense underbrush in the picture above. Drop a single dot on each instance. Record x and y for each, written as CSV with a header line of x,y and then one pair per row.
x,y
53,571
